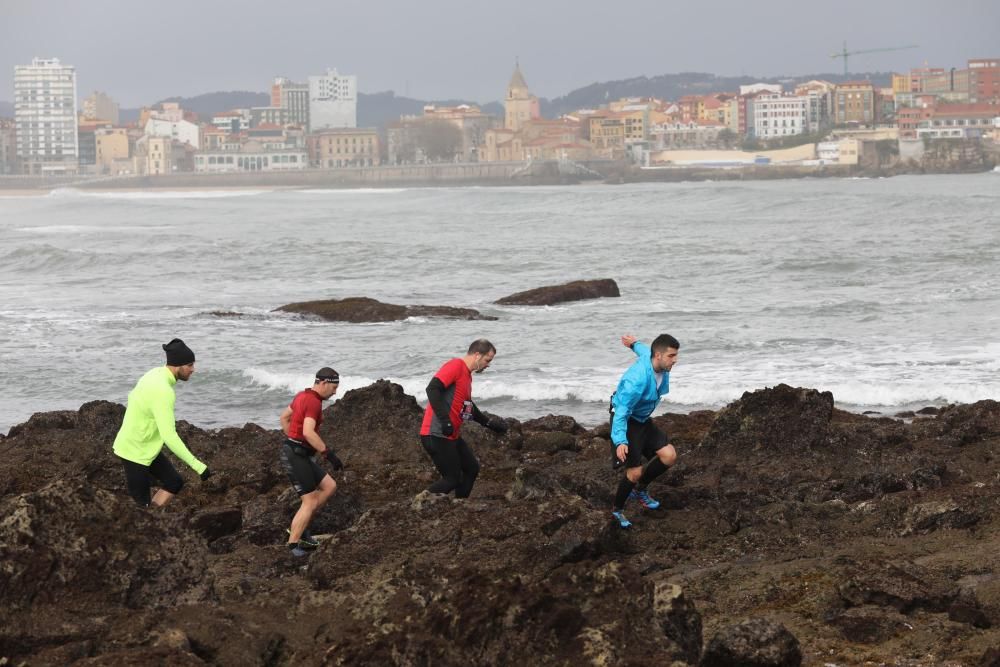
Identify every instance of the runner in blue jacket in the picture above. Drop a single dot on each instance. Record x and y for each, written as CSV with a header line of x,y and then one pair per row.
x,y
633,434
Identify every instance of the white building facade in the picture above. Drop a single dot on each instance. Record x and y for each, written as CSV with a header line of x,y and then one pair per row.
x,y
251,157
333,101
235,121
183,131
45,117
776,116
755,88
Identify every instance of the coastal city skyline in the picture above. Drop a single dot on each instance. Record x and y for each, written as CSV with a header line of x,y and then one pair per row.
x,y
313,124
564,47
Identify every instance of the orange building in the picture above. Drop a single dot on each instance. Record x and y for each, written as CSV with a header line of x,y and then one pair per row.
x,y
854,102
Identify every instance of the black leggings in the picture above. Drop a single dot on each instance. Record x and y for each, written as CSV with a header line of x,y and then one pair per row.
x,y
456,463
138,478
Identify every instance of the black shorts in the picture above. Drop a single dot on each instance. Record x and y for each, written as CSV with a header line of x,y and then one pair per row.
x,y
303,472
644,440
138,478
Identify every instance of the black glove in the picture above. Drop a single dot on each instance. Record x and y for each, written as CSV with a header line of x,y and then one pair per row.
x,y
205,474
447,428
615,462
335,462
497,425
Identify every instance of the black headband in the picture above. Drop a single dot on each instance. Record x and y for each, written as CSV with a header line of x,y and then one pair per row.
x,y
335,379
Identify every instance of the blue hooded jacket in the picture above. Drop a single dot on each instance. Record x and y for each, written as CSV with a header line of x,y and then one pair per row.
x,y
637,394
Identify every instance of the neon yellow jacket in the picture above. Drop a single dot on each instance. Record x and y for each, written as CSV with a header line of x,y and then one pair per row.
x,y
149,422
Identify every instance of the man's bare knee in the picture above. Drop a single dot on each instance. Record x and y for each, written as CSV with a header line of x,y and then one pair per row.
x,y
633,474
326,489
667,455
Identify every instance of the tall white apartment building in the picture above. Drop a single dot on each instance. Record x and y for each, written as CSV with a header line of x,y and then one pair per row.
x,y
45,117
776,115
294,98
333,101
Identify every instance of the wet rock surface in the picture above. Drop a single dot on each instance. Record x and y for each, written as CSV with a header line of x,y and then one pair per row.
x,y
364,309
757,642
577,290
790,533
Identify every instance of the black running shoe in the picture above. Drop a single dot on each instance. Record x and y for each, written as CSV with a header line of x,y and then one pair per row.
x,y
307,541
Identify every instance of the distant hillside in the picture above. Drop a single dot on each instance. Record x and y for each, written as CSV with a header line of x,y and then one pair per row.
x,y
675,86
380,109
374,110
211,103
207,104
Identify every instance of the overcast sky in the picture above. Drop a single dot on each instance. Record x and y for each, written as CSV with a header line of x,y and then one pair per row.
x,y
139,52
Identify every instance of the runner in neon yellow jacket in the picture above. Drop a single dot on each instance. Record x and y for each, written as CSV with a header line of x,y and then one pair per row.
x,y
149,424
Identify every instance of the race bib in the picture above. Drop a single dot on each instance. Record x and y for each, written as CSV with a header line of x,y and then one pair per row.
x,y
466,411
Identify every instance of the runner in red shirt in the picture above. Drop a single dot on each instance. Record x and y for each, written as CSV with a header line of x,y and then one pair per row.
x,y
449,404
300,421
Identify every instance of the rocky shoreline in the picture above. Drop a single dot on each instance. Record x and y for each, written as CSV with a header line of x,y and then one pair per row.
x,y
792,533
425,176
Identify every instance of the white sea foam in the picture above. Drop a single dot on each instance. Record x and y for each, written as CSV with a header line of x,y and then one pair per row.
x,y
272,381
63,193
90,229
684,391
292,383
351,191
914,393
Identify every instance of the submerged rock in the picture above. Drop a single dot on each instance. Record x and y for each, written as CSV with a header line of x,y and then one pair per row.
x,y
578,290
364,309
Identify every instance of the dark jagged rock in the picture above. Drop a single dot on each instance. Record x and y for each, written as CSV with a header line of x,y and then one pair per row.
x,y
551,423
866,537
363,309
216,523
962,424
935,515
679,619
490,598
776,419
578,290
377,425
70,539
964,612
870,625
757,642
989,658
549,442
904,586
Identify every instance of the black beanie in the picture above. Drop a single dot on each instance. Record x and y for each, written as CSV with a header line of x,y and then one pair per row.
x,y
178,354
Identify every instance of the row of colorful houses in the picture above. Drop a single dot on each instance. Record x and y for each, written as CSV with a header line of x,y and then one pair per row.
x,y
926,103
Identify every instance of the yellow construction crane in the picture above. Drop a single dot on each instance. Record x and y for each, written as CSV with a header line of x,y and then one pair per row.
x,y
843,54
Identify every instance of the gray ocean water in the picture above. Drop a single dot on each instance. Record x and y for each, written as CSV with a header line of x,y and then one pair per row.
x,y
884,292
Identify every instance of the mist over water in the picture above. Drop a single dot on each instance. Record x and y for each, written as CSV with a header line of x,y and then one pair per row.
x,y
884,292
